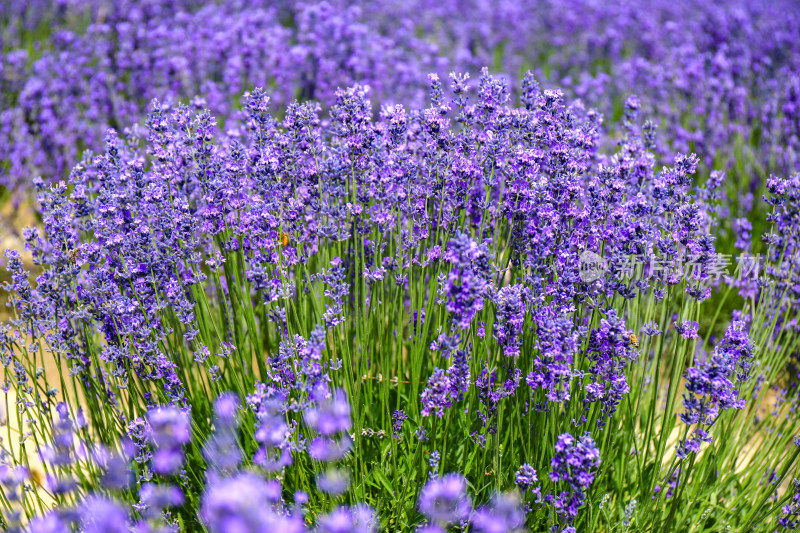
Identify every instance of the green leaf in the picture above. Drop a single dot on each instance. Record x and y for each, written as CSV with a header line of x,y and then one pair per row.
x,y
384,481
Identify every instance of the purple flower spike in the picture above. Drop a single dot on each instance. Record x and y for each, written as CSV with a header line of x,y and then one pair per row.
x,y
445,499
330,416
525,477
504,514
469,282
99,515
242,503
170,430
355,519
711,385
574,464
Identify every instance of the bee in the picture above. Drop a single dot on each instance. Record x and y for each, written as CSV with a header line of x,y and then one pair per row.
x,y
37,476
73,254
284,239
634,340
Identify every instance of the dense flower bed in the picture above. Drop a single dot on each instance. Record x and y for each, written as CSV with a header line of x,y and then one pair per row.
x,y
718,80
360,298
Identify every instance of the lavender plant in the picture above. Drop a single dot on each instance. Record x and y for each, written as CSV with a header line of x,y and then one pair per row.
x,y
361,320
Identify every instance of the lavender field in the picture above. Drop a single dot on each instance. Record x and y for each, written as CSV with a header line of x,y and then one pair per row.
x,y
402,266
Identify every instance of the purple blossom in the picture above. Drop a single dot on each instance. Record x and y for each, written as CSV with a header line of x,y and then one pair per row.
x,y
51,522
355,519
155,499
445,499
100,515
242,503
490,393
791,510
272,430
437,395
222,450
688,329
510,303
458,375
398,418
574,464
711,385
469,281
329,450
433,464
170,430
609,351
330,415
552,367
525,477
503,514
